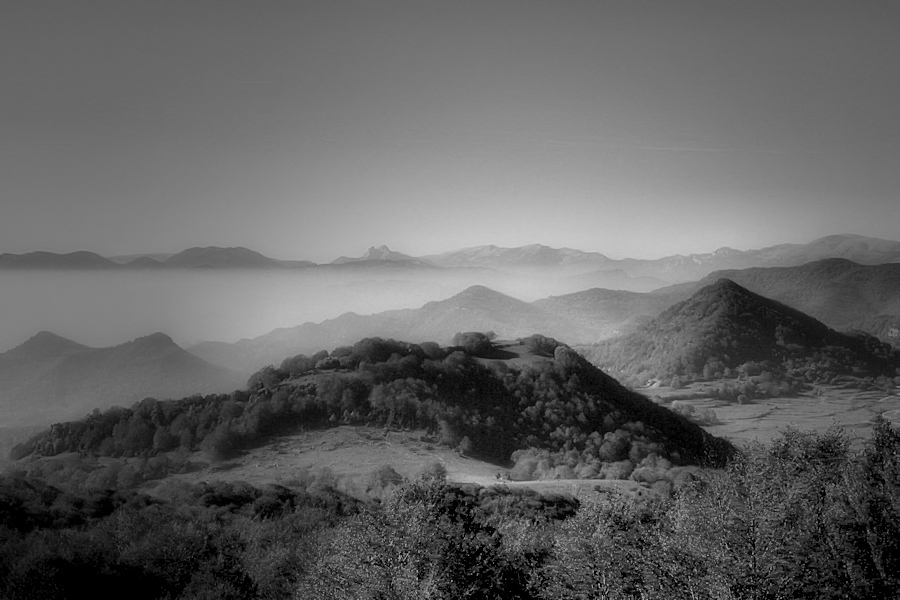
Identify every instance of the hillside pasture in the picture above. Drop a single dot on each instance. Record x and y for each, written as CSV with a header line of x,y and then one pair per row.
x,y
352,458
817,409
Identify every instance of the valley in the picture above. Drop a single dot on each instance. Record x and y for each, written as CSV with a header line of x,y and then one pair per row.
x,y
364,460
490,300
850,408
496,441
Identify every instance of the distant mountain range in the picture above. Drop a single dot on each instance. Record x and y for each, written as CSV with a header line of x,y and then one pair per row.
x,y
723,326
192,258
860,249
50,260
382,253
593,268
840,293
49,377
474,309
597,313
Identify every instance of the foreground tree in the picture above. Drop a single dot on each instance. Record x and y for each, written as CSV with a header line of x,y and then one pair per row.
x,y
425,542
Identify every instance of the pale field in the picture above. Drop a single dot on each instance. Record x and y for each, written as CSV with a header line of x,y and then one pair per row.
x,y
348,456
351,454
816,410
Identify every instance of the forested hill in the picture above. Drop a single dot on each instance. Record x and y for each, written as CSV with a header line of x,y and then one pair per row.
x,y
724,328
534,403
842,294
475,308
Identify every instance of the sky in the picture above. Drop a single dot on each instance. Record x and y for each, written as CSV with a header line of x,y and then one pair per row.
x,y
310,130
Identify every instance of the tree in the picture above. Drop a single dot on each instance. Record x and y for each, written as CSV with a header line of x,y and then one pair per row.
x,y
424,543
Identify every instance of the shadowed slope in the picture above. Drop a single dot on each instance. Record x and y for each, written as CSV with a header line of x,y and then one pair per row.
x,y
838,292
723,326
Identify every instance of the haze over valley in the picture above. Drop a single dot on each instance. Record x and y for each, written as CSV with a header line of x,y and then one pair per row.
x,y
474,299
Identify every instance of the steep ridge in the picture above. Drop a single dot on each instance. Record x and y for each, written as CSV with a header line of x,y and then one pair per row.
x,y
841,293
49,377
724,326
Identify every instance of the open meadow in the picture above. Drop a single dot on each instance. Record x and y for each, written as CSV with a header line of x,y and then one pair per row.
x,y
845,405
363,460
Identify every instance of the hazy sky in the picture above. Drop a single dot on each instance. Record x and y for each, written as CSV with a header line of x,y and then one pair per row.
x,y
315,129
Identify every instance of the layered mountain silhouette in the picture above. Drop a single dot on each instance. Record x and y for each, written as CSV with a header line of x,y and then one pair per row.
x,y
124,259
373,253
192,258
612,279
597,313
860,249
215,257
531,256
679,267
724,326
49,377
490,409
53,261
597,269
145,262
476,308
842,294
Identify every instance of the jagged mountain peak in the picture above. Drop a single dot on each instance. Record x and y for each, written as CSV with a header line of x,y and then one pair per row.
x,y
379,252
373,253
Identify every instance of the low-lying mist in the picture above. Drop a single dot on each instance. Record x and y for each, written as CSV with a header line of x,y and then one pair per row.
x,y
102,308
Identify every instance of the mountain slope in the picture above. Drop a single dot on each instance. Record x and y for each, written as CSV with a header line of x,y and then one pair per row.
x,y
599,313
49,377
51,260
475,309
373,253
842,294
213,256
612,279
861,249
554,417
530,257
678,267
724,326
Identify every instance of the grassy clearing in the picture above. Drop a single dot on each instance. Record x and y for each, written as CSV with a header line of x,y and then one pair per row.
x,y
817,410
350,455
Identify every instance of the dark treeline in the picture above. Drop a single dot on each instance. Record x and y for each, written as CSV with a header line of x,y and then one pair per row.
x,y
553,418
804,517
